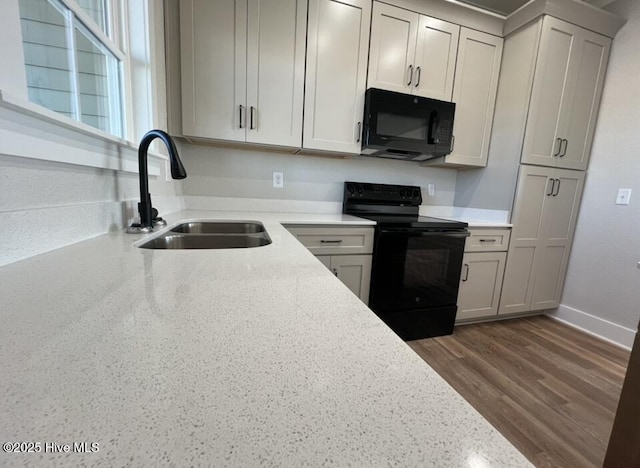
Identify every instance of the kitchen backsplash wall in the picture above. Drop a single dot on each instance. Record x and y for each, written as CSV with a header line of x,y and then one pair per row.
x,y
230,172
47,205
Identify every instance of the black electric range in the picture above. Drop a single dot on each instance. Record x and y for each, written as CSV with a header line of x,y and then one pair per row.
x,y
417,260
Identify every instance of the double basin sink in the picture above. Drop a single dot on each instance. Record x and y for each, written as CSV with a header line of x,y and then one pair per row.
x,y
211,235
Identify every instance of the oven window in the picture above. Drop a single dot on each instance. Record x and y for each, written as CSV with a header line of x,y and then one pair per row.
x,y
425,266
403,126
414,271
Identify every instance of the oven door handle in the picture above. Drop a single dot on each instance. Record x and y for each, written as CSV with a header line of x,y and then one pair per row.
x,y
412,233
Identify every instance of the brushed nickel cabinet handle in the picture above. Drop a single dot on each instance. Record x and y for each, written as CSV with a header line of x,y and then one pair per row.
x,y
487,240
555,194
566,145
559,140
466,272
241,109
337,241
553,184
410,75
419,74
359,135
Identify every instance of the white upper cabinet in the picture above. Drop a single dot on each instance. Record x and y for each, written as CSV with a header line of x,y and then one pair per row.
x,y
393,48
565,98
243,70
213,42
435,58
474,92
337,51
412,53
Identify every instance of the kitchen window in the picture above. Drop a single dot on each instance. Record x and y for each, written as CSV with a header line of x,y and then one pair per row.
x,y
72,61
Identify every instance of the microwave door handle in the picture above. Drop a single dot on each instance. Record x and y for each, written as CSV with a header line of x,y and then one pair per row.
x,y
434,123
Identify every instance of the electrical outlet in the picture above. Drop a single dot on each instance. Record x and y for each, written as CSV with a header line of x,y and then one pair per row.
x,y
278,180
624,194
431,190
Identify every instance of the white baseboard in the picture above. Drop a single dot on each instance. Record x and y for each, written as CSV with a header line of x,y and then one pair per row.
x,y
596,326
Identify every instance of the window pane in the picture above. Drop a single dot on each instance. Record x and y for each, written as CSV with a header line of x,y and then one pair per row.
x,y
98,84
97,10
47,56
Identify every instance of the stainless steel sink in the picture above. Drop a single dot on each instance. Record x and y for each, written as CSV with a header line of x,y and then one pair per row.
x,y
213,227
211,235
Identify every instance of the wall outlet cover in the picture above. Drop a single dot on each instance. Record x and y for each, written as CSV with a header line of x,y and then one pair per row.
x,y
278,180
431,189
623,197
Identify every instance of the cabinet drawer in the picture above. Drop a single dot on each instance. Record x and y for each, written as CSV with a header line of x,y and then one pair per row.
x,y
334,240
487,240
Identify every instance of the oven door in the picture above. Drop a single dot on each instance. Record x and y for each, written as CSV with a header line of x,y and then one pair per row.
x,y
414,269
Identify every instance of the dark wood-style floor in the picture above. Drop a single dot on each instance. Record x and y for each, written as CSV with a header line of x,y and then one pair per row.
x,y
551,390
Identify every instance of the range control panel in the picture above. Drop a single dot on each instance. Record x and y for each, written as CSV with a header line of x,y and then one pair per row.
x,y
360,192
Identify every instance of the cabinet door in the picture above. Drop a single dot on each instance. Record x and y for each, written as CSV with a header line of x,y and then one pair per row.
x,y
275,71
542,139
355,272
582,99
527,237
337,51
559,222
435,58
213,44
474,92
394,34
480,284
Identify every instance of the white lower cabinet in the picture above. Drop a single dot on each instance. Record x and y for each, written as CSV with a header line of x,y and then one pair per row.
x,y
482,274
345,250
353,270
480,284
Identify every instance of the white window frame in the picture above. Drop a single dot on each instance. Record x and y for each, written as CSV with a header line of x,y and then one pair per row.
x,y
140,113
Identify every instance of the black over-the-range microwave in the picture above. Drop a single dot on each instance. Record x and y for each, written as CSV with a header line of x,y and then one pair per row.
x,y
403,126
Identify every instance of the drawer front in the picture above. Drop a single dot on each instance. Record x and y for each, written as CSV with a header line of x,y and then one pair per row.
x,y
487,240
334,240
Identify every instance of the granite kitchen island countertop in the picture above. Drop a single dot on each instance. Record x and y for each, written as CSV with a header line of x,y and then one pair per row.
x,y
242,357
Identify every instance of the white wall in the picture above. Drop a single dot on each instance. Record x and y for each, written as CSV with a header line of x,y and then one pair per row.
x,y
602,290
248,174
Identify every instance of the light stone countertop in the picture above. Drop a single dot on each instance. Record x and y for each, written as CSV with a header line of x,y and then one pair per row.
x,y
243,357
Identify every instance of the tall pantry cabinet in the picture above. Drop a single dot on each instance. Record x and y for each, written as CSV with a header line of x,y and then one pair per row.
x,y
559,105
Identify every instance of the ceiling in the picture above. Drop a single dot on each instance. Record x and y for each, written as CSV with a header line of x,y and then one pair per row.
x,y
506,7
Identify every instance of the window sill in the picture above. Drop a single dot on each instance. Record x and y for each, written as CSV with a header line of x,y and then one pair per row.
x,y
127,151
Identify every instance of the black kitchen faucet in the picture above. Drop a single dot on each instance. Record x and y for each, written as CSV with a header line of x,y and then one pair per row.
x,y
149,215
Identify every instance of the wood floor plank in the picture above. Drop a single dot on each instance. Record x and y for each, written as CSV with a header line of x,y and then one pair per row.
x,y
548,388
